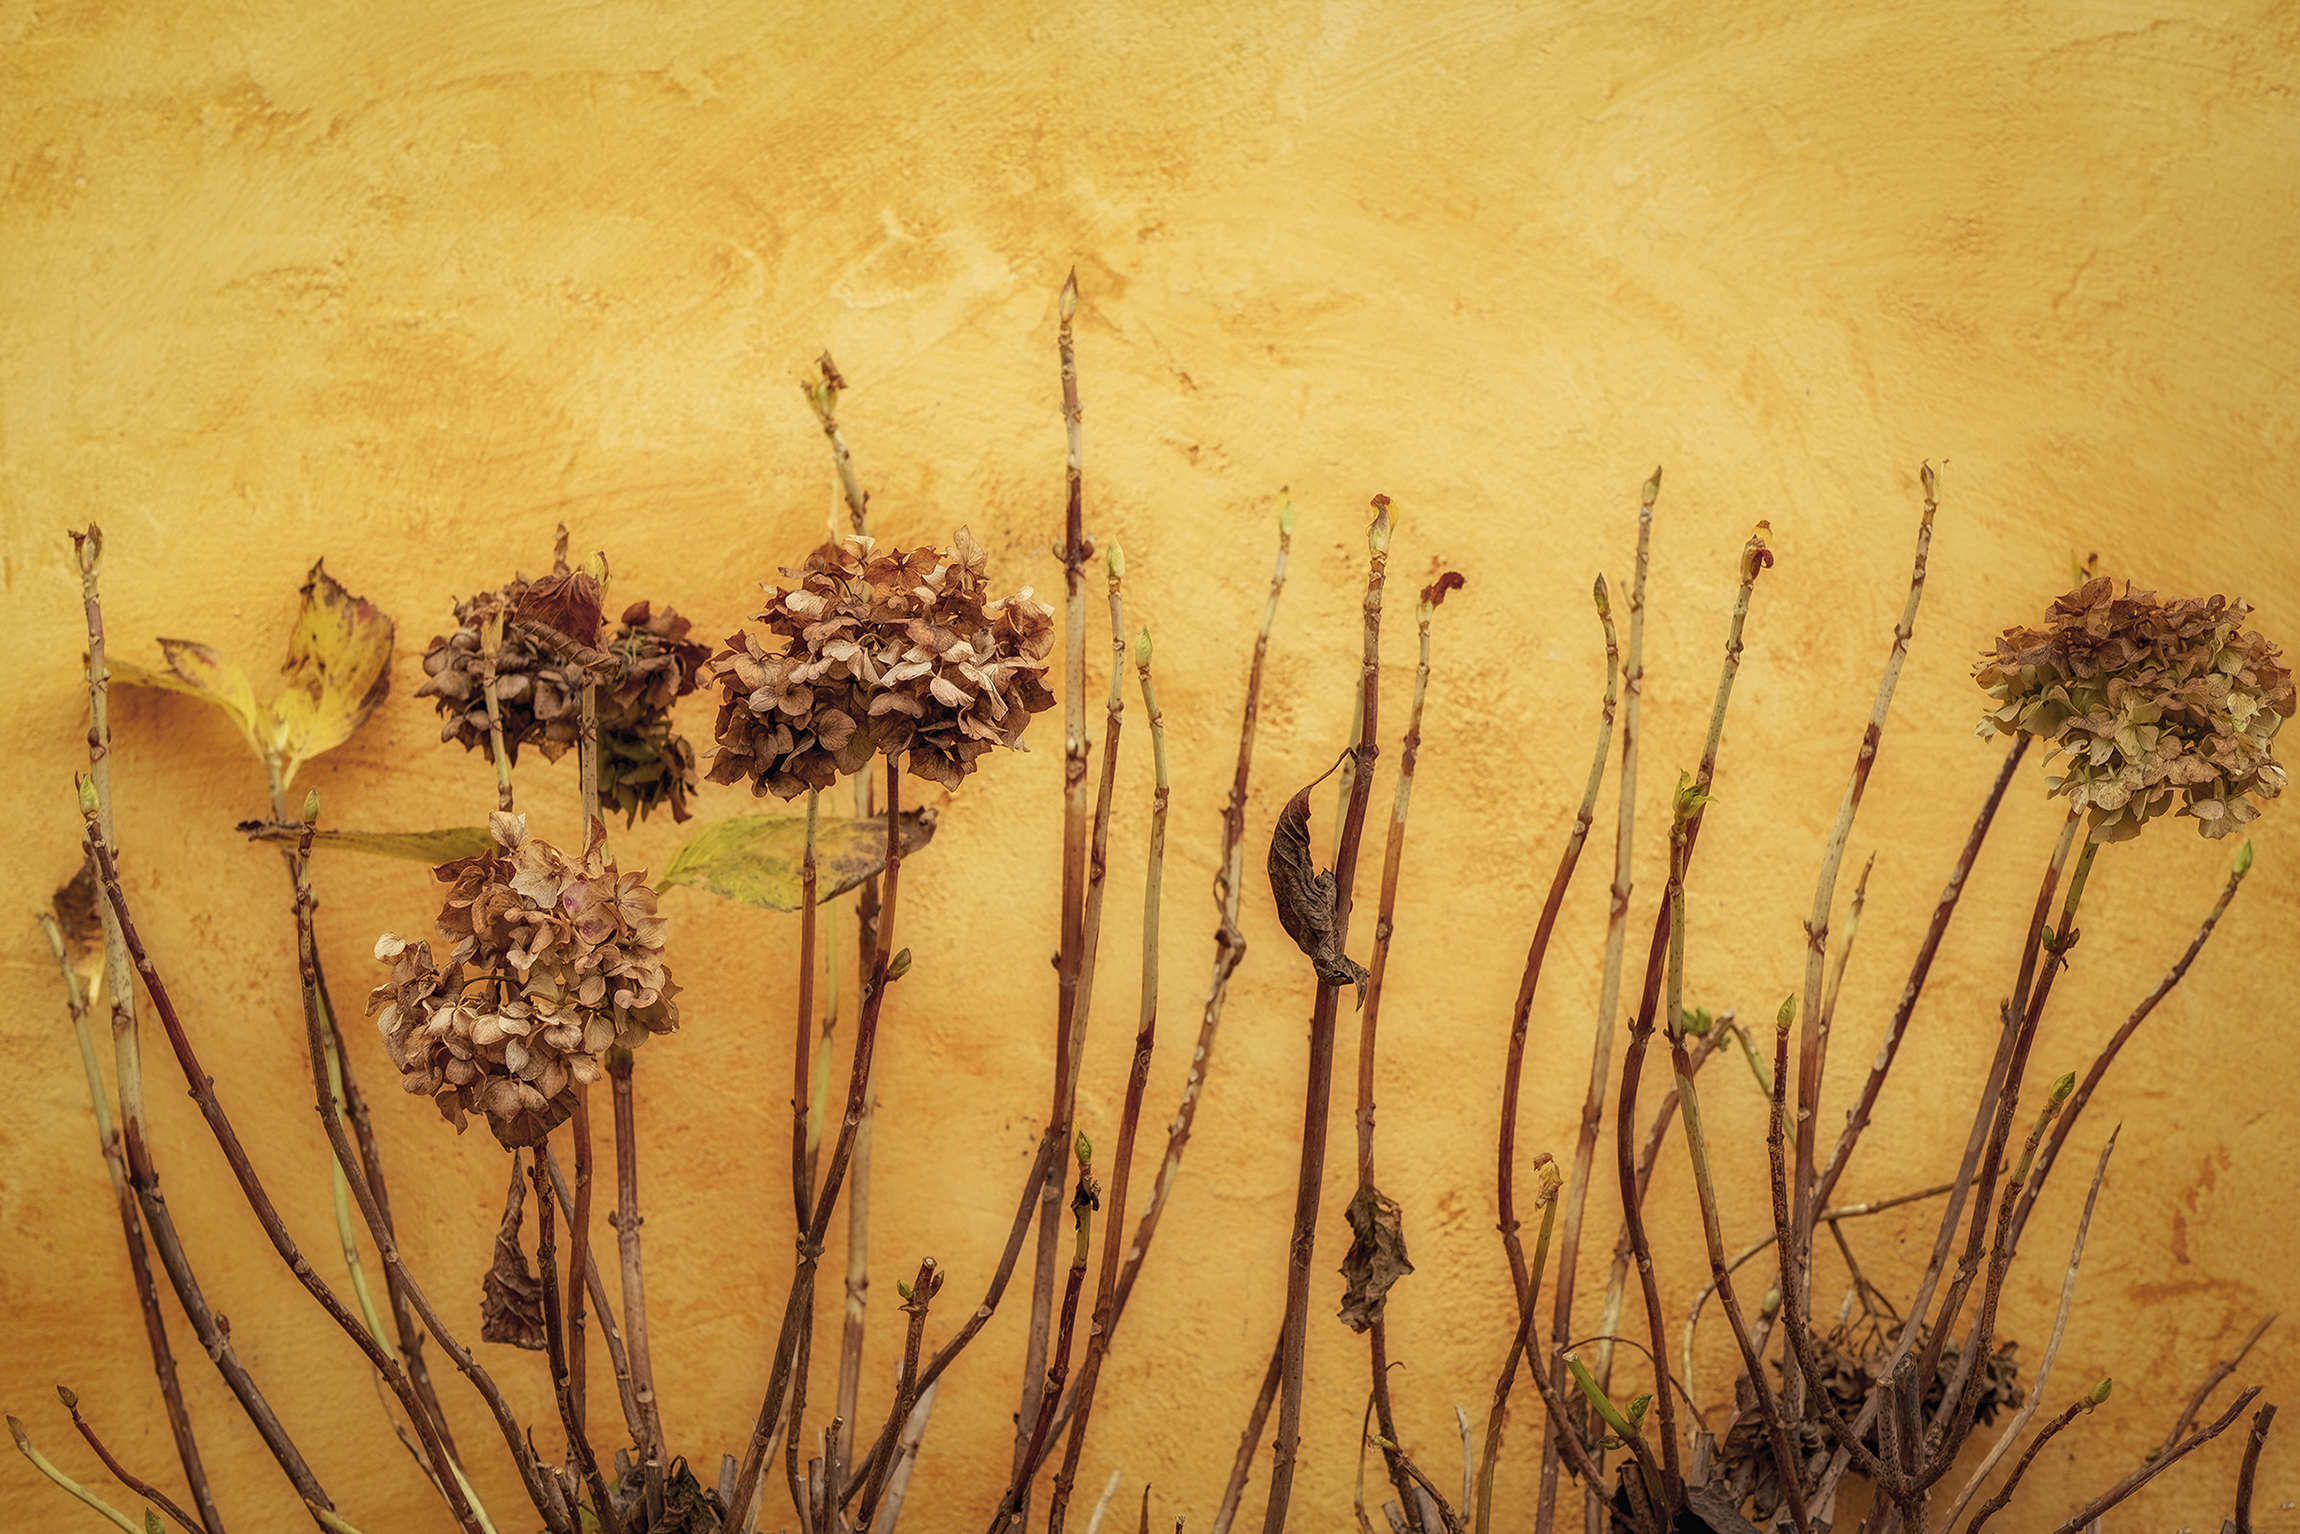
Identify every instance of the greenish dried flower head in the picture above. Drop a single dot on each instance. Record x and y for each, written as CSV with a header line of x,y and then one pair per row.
x,y
2151,708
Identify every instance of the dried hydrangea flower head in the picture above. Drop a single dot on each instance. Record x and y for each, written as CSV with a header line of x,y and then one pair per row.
x,y
642,764
551,960
538,684
894,651
2152,707
550,628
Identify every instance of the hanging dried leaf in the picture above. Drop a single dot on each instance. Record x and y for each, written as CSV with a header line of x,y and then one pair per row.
x,y
337,668
444,845
1376,1259
754,859
511,1296
687,1507
1305,895
198,671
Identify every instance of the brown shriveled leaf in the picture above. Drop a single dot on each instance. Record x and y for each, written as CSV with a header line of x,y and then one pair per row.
x,y
511,1296
1305,896
76,913
754,859
198,671
1376,1259
444,845
338,671
687,1507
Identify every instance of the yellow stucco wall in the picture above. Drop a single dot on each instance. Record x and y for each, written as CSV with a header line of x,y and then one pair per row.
x,y
407,285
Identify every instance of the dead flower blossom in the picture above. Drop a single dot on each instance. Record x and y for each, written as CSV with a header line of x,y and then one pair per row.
x,y
883,652
2152,707
552,960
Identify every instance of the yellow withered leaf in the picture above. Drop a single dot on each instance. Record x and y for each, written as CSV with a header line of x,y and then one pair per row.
x,y
196,670
338,672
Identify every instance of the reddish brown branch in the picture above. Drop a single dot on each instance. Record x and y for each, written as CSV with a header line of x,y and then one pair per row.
x,y
143,1488
2150,1472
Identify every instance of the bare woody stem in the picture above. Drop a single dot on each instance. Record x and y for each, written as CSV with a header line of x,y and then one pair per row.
x,y
1084,1200
1137,1082
1890,1482
562,1390
1608,1005
2254,1442
132,1229
251,1187
1996,1504
1755,558
1070,960
578,1270
2117,1041
1229,942
1301,1250
922,1293
626,1219
802,1093
1514,1072
1810,1041
1520,1344
1919,970
2212,1381
2141,1477
799,1307
127,1067
541,1490
491,640
596,1287
1393,857
1249,1443
125,1477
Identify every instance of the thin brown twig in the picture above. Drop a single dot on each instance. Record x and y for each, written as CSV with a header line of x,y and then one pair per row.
x,y
2254,1442
1608,1005
143,1488
2027,1412
1084,1200
1249,1442
798,1309
2150,1472
555,1340
596,1287
1403,1474
1229,941
2212,1381
1301,1249
1070,957
922,1292
1919,970
132,1229
2082,1405
1137,1082
626,1220
1513,1072
2117,1041
251,1187
1797,1275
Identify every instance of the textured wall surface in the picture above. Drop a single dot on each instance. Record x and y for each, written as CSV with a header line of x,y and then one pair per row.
x,y
407,285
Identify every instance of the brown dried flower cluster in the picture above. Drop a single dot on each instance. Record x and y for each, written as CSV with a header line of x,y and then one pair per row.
x,y
551,961
545,653
642,764
883,652
2152,707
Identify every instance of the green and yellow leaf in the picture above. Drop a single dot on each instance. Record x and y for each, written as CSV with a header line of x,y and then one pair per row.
x,y
198,671
444,845
754,859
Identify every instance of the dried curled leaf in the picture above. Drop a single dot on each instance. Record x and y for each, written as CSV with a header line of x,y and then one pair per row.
x,y
754,859
511,1296
337,668
1376,1259
1305,896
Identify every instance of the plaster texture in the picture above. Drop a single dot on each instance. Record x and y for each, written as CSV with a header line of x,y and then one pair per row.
x,y
407,285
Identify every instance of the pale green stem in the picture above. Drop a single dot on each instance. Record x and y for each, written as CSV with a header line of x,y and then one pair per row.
x,y
41,1463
